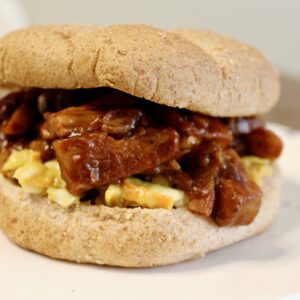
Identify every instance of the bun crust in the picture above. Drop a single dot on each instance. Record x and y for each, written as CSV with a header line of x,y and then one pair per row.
x,y
118,236
197,70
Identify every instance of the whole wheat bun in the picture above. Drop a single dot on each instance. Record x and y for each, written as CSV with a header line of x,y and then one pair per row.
x,y
119,236
201,71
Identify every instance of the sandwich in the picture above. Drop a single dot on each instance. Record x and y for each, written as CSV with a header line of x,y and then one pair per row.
x,y
134,146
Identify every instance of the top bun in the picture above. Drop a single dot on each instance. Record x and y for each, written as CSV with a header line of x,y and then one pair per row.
x,y
197,70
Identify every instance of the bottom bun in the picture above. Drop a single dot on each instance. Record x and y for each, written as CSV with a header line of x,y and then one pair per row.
x,y
119,236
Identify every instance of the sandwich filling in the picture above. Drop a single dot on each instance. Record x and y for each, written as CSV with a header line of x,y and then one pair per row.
x,y
104,147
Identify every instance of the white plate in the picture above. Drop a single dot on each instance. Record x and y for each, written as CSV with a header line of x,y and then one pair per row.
x,y
264,267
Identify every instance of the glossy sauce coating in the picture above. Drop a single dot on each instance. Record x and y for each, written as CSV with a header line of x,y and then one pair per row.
x,y
103,136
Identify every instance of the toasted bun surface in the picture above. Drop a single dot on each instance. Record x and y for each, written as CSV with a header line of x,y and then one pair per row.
x,y
200,71
119,236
